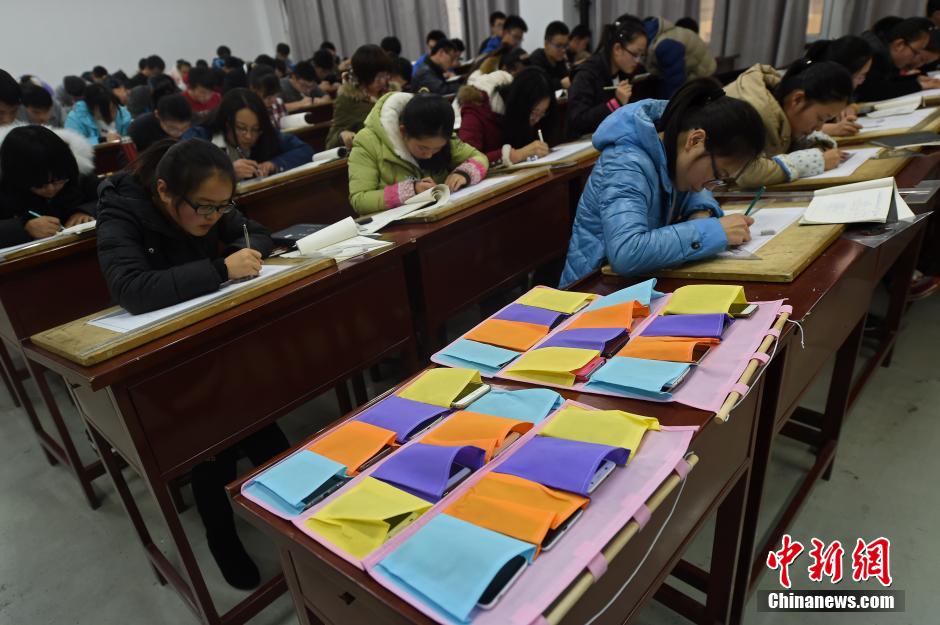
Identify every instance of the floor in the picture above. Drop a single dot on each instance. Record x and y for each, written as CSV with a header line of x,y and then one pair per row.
x,y
883,484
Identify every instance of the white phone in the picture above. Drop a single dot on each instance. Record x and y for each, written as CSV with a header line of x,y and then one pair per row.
x,y
470,394
607,467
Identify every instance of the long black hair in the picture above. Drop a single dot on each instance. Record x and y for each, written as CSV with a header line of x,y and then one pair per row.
x,y
850,52
733,128
430,115
528,88
182,165
624,30
34,156
824,82
223,120
99,98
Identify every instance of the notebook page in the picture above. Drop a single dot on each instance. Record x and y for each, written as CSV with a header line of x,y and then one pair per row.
x,y
867,205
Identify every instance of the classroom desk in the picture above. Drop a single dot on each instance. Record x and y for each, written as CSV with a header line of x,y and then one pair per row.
x,y
314,134
174,402
320,197
327,589
38,292
317,112
110,157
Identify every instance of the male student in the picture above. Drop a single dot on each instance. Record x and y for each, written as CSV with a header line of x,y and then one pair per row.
x,y
172,118
579,44
11,96
432,73
200,92
552,55
300,89
221,53
38,107
514,29
430,41
497,18
283,52
324,64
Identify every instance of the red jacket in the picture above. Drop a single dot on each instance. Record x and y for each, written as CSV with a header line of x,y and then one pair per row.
x,y
482,128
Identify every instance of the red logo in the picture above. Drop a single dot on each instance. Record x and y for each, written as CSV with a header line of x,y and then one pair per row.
x,y
869,560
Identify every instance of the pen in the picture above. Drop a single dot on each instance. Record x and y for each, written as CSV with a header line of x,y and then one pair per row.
x,y
610,87
750,208
247,238
541,138
35,214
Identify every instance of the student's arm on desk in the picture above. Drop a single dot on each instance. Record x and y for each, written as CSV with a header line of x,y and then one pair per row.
x,y
293,152
13,232
469,160
767,171
137,287
232,234
632,248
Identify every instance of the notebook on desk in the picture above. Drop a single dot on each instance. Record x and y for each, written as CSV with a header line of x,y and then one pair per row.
x,y
873,201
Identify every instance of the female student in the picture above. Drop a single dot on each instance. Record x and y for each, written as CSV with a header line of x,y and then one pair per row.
x,y
242,127
99,116
161,227
898,45
41,189
593,94
855,55
406,147
371,69
794,109
646,204
500,115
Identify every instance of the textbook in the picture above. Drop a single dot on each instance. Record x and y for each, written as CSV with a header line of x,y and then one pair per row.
x,y
872,201
339,241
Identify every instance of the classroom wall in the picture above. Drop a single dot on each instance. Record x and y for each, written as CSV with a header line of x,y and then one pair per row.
x,y
537,15
53,39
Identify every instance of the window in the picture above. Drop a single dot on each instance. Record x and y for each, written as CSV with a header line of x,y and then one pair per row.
x,y
706,17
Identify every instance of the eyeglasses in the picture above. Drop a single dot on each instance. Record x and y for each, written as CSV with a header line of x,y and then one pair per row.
x,y
207,210
717,182
249,132
638,57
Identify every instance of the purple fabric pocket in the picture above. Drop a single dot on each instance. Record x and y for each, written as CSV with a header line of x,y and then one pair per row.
x,y
695,326
402,416
530,314
601,339
423,470
561,463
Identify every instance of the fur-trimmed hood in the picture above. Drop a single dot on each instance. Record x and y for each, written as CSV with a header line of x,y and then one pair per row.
x,y
82,150
384,122
479,84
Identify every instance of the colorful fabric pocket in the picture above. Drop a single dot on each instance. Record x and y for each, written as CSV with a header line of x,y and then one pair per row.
x,y
560,463
552,299
361,518
289,484
353,444
513,335
671,348
424,470
647,378
598,339
441,386
448,564
644,293
703,299
531,404
530,314
552,365
489,359
604,427
480,430
617,316
402,416
692,326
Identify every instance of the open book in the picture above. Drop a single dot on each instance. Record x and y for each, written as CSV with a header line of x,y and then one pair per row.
x,y
872,201
559,154
339,241
915,100
61,234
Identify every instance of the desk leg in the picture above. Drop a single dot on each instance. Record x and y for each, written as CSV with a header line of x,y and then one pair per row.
x,y
21,399
84,474
898,288
8,372
725,553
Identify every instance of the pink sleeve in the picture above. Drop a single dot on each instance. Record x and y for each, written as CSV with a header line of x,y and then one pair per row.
x,y
397,194
474,169
613,104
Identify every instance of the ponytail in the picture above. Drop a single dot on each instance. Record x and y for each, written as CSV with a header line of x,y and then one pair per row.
x,y
850,52
733,128
623,31
182,165
824,82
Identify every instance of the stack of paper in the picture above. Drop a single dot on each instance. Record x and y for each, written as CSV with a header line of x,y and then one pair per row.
x,y
872,201
846,168
339,241
895,122
61,234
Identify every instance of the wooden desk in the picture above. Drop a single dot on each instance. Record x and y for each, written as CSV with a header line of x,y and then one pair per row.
x,y
321,196
327,589
170,404
313,135
38,292
110,157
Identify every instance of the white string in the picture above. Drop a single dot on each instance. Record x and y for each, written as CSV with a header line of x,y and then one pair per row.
x,y
645,556
800,328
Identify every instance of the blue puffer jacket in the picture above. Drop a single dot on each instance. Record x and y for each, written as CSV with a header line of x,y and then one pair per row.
x,y
624,212
81,120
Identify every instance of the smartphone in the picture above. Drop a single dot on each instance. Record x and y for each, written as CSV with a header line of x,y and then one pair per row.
x,y
423,427
607,467
501,582
699,352
511,438
325,489
397,523
458,473
553,536
668,387
616,345
582,374
469,395
742,310
371,461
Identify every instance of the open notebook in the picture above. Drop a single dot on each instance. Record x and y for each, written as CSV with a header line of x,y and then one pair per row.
x,y
319,159
339,241
61,234
559,153
872,201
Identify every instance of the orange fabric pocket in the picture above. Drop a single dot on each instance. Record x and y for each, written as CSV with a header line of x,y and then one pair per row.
x,y
472,428
617,316
515,335
671,348
353,444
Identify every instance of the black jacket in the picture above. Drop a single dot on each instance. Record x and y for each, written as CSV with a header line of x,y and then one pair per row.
x,y
588,101
145,130
884,80
80,197
431,75
148,262
556,71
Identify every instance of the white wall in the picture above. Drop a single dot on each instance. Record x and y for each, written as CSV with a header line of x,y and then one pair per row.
x,y
537,15
59,37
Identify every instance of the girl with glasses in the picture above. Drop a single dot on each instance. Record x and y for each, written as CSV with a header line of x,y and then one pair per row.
x,y
601,84
242,127
898,46
647,203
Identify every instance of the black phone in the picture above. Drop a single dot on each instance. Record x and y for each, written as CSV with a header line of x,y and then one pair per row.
x,y
501,582
553,536
325,489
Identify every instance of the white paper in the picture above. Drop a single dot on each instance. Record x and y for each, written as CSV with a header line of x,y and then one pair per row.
x,y
856,159
439,193
330,155
122,321
768,223
865,205
354,247
894,122
65,232
558,153
902,99
294,120
900,108
325,237
247,185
